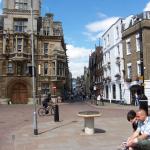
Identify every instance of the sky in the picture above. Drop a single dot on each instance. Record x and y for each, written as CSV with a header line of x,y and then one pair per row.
x,y
84,21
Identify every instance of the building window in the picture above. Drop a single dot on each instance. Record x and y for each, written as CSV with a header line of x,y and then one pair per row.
x,y
21,4
10,68
45,48
108,39
104,43
129,70
39,69
45,88
138,68
60,68
45,68
114,91
20,25
56,32
137,42
128,46
117,51
117,32
53,68
19,44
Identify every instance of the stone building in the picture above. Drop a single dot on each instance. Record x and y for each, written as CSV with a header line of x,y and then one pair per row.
x,y
135,35
17,24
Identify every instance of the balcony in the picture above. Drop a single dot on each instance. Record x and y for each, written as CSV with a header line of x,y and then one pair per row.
x,y
20,56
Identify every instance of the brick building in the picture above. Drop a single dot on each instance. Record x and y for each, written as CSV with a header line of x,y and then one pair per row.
x,y
136,33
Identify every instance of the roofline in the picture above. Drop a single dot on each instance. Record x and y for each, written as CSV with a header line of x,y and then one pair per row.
x,y
111,26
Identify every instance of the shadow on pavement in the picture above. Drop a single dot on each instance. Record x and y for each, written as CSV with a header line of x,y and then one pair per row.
x,y
74,121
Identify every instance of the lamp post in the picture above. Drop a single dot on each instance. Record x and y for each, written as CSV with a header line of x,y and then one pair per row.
x,y
33,76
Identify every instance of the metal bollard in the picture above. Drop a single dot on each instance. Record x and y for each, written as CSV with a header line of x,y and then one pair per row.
x,y
143,103
56,113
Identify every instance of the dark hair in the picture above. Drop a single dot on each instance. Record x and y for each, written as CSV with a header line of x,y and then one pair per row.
x,y
131,115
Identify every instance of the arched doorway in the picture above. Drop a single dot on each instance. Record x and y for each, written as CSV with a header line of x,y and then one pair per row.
x,y
134,89
19,94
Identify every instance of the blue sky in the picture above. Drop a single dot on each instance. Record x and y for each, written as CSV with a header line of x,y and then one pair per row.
x,y
84,21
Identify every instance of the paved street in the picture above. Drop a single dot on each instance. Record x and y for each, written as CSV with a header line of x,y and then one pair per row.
x,y
16,132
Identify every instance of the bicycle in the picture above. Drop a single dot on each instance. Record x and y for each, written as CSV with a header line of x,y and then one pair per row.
x,y
42,111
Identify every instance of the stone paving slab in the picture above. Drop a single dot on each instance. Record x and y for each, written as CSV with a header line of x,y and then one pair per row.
x,y
68,135
111,129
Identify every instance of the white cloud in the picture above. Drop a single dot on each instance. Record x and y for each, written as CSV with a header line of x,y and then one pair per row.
x,y
147,7
78,58
102,25
96,29
101,15
77,69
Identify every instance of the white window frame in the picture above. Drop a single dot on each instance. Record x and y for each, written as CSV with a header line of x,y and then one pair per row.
x,y
10,68
117,32
129,70
137,42
128,46
21,4
45,68
139,68
19,45
20,25
108,40
45,48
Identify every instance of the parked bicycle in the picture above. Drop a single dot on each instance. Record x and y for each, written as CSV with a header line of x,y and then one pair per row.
x,y
42,111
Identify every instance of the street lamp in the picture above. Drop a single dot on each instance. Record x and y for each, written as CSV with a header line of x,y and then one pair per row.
x,y
33,76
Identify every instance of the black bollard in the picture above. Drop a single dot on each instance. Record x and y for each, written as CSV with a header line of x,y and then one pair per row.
x,y
143,103
56,113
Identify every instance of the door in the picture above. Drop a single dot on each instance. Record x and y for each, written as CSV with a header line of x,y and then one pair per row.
x,y
19,94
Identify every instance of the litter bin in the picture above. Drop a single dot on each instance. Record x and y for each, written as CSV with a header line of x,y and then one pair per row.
x,y
143,103
56,113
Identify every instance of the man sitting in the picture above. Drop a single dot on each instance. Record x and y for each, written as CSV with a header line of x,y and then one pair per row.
x,y
131,117
140,139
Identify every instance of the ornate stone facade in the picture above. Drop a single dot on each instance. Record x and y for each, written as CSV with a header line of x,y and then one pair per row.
x,y
51,65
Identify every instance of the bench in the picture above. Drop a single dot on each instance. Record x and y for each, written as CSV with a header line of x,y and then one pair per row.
x,y
89,120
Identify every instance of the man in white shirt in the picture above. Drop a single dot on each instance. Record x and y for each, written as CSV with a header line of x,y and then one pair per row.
x,y
140,139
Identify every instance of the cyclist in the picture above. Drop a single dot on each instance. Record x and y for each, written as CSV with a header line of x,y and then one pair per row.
x,y
46,100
